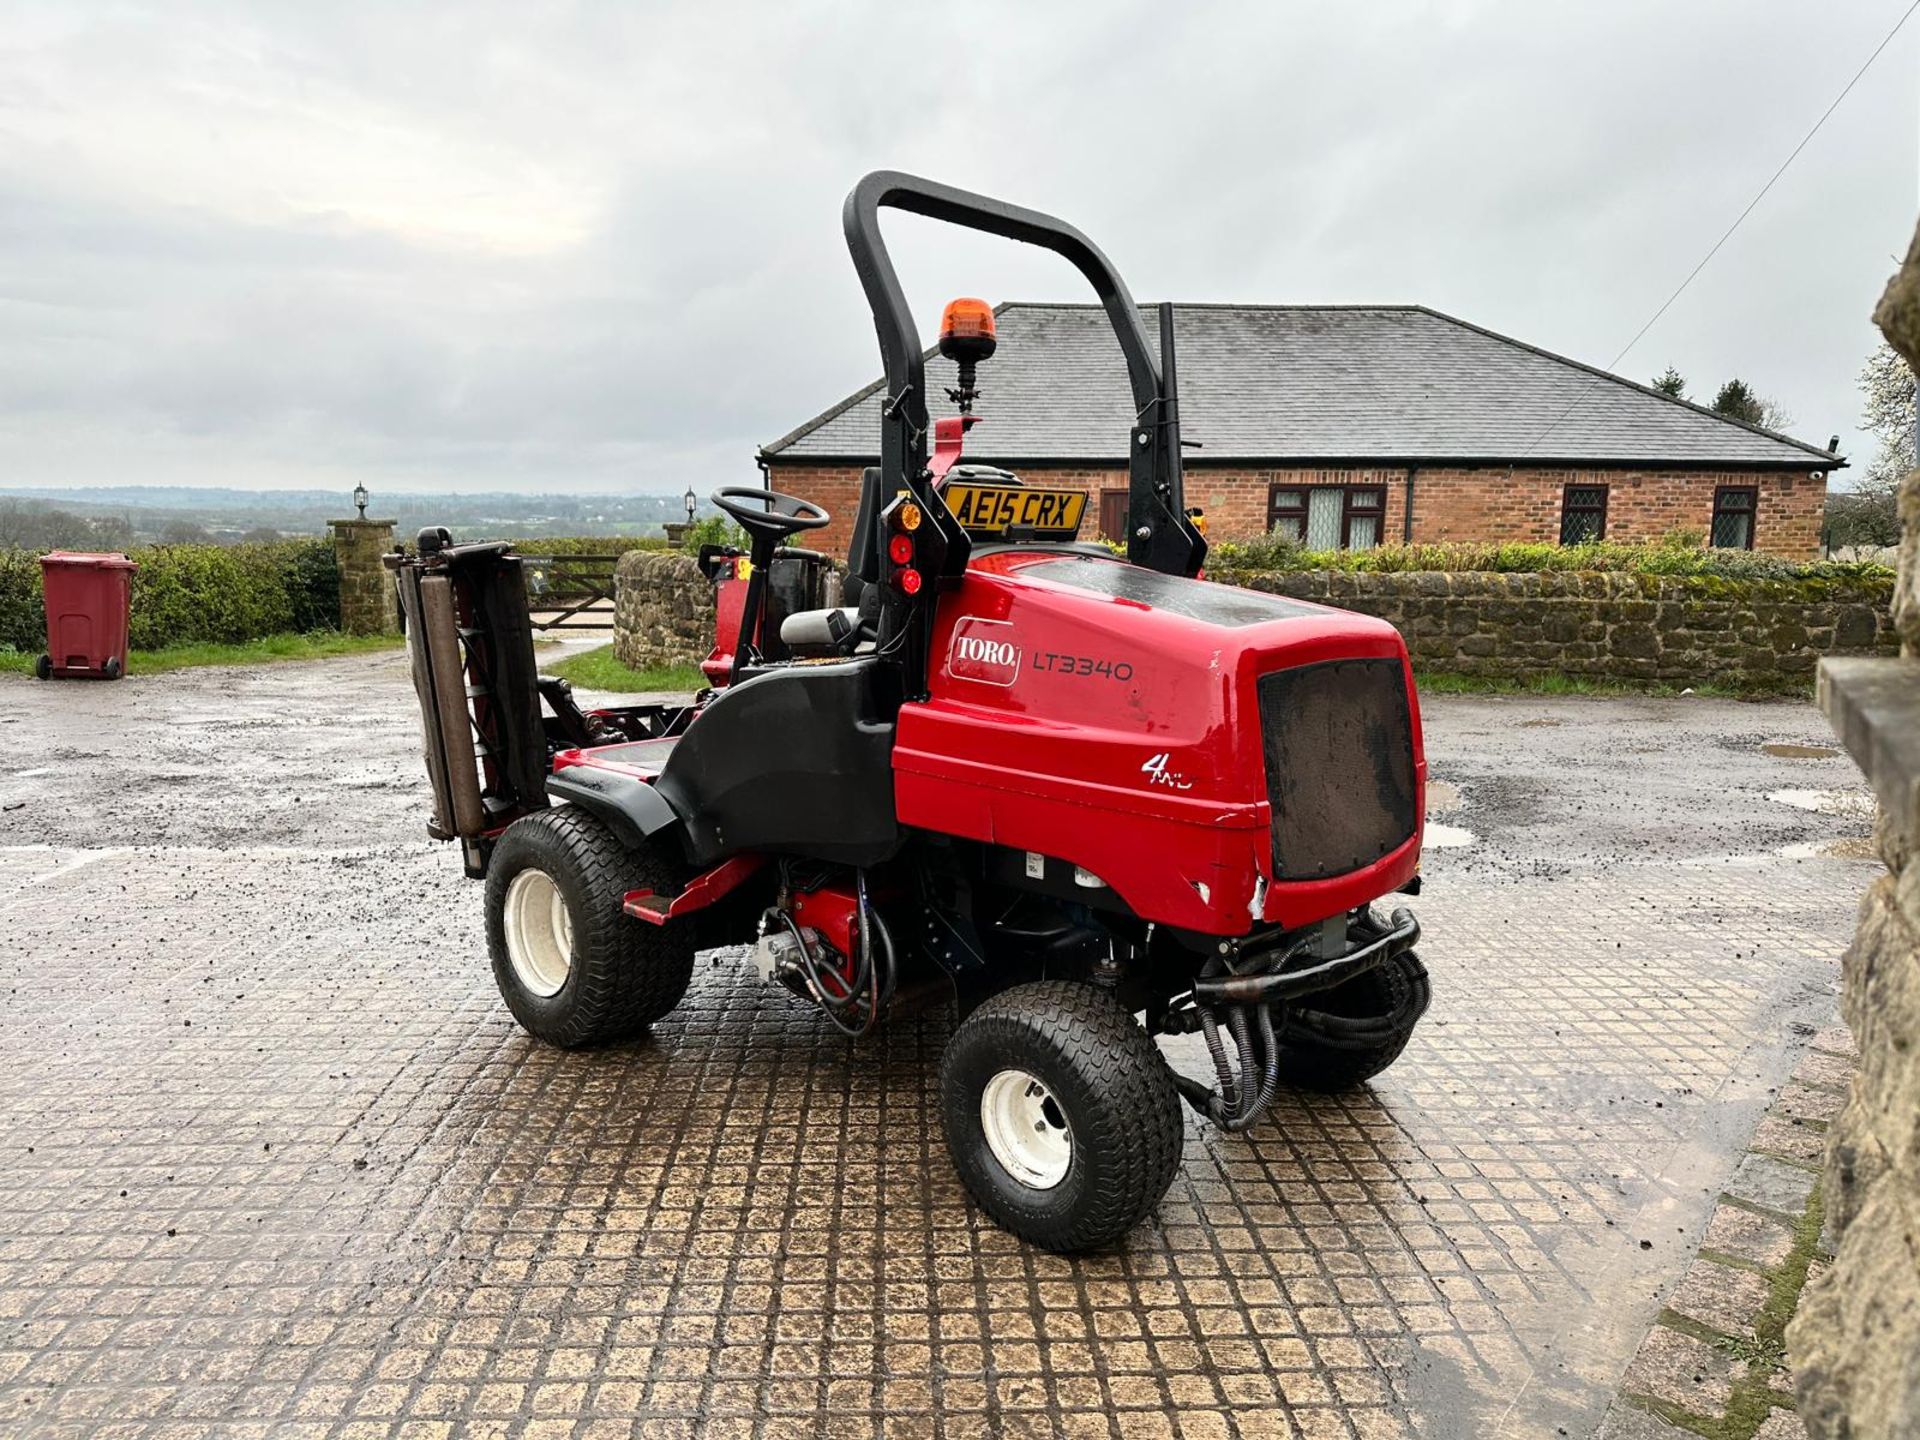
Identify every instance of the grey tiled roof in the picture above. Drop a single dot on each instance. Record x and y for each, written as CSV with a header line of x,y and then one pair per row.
x,y
1387,383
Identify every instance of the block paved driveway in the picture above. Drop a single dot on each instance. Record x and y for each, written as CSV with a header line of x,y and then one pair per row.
x,y
277,1163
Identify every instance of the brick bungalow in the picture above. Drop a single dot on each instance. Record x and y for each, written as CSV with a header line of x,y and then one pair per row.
x,y
1352,426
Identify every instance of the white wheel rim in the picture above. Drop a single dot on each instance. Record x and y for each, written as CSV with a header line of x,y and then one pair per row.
x,y
539,933
1026,1129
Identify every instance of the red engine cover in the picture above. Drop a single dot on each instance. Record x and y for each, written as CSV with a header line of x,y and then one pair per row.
x,y
1113,722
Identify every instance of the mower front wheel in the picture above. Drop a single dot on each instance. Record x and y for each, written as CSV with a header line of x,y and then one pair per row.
x,y
1060,1114
574,968
1348,1035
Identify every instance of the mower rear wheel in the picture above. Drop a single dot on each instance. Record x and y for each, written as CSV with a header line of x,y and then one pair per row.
x,y
1060,1114
1394,994
574,968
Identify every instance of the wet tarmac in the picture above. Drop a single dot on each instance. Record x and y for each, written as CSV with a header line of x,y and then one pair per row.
x,y
278,1163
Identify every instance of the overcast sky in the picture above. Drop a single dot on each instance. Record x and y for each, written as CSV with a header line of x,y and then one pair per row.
x,y
578,247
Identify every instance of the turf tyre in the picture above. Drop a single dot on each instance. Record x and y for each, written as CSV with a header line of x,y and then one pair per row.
x,y
1116,1094
624,973
1397,988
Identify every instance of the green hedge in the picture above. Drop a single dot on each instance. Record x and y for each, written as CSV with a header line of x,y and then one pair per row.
x,y
223,594
23,623
588,544
1277,554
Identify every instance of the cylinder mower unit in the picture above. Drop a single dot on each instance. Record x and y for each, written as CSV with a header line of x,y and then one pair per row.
x,y
1089,800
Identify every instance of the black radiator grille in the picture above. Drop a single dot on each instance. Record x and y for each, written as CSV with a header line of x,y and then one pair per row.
x,y
1338,743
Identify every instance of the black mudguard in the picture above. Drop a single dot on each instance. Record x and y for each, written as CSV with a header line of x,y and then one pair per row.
x,y
634,809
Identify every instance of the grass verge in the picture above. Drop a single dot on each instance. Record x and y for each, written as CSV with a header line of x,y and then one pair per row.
x,y
317,645
597,669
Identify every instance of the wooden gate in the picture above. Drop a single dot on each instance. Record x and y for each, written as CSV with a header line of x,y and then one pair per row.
x,y
570,592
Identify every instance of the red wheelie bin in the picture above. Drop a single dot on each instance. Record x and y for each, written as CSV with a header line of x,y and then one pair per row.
x,y
88,597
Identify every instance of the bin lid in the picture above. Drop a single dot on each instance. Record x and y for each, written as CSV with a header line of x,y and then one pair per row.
x,y
77,558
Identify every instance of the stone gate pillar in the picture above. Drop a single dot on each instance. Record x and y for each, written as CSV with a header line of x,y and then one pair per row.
x,y
1855,1344
367,605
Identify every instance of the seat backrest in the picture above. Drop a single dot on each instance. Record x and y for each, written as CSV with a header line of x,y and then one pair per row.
x,y
863,555
796,760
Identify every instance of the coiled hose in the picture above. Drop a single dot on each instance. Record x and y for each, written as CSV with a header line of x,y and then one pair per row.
x,y
1239,1101
854,1004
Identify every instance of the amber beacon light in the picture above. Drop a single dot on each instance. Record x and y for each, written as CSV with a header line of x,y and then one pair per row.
x,y
966,330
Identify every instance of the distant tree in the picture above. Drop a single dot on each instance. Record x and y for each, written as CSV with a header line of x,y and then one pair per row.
x,y
1738,400
1867,512
1886,385
32,525
261,535
183,532
1671,382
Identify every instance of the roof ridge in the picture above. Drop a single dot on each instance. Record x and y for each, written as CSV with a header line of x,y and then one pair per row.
x,y
1265,307
1687,447
835,411
1778,435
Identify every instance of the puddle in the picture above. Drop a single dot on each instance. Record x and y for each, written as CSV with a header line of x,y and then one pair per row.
x,y
1446,837
1849,803
1442,796
1853,847
1799,752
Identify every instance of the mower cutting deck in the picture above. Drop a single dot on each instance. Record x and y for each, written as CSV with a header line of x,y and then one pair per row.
x,y
1095,799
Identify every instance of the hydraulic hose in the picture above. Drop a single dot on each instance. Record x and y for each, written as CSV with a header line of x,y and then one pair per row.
x,y
1343,1032
1403,934
1242,1114
1270,1061
1228,1097
831,1004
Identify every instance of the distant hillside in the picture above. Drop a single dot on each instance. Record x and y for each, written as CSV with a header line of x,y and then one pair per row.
x,y
130,514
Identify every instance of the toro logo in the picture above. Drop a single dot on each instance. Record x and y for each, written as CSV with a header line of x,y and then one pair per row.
x,y
983,650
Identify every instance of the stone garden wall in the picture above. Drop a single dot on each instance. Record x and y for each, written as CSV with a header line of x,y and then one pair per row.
x,y
1855,1344
1686,630
1754,635
662,610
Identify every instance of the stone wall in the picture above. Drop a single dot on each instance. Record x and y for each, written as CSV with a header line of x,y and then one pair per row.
x,y
1450,502
1686,630
1855,1344
367,602
663,610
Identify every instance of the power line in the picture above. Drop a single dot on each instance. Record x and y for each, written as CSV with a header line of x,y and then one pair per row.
x,y
1692,274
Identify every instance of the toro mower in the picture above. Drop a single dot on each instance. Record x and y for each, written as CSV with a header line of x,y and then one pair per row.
x,y
1092,799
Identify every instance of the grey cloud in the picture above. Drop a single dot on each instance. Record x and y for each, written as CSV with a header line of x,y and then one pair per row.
x,y
484,247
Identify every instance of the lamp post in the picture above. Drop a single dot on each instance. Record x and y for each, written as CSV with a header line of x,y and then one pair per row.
x,y
692,501
360,498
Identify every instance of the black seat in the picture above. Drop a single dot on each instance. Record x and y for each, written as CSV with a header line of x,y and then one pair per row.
x,y
797,760
863,551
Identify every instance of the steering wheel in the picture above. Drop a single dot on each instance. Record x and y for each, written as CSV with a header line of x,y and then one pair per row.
x,y
768,512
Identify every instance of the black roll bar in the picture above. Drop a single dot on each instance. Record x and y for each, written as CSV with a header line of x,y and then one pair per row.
x,y
1160,536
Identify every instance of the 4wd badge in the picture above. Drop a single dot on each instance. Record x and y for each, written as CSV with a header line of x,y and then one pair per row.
x,y
983,650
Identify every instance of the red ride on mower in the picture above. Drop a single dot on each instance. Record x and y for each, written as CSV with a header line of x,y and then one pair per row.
x,y
1099,799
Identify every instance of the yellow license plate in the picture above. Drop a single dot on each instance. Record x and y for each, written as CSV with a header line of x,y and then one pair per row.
x,y
987,510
